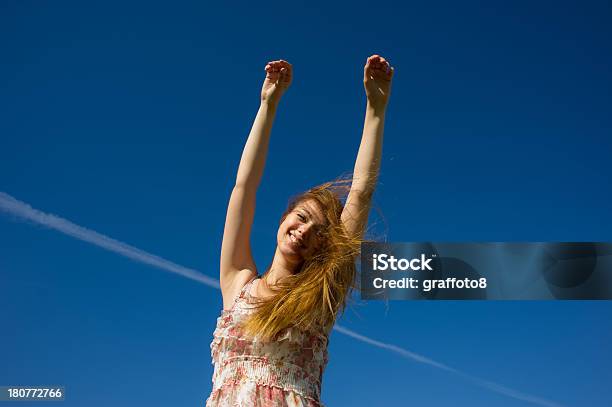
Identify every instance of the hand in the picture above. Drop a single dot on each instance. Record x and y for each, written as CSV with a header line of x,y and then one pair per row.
x,y
377,76
278,79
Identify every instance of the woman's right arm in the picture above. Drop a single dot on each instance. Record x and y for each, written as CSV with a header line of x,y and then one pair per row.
x,y
237,266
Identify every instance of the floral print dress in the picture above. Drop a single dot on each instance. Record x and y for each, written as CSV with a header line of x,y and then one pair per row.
x,y
251,372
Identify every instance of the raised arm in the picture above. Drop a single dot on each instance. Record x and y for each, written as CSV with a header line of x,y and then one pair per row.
x,y
377,77
237,265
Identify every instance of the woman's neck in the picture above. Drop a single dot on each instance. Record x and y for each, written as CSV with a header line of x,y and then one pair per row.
x,y
280,268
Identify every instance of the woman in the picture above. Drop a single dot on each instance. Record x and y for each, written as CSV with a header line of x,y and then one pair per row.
x,y
270,344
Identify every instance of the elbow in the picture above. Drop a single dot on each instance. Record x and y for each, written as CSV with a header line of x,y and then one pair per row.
x,y
246,186
363,194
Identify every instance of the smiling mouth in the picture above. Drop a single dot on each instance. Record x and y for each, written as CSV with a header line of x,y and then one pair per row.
x,y
296,242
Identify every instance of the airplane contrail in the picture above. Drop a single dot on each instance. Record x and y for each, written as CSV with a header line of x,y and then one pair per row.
x,y
476,380
23,211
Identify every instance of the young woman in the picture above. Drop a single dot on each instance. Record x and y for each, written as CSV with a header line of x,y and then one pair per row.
x,y
270,343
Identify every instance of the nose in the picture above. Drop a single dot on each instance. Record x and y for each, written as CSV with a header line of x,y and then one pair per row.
x,y
304,230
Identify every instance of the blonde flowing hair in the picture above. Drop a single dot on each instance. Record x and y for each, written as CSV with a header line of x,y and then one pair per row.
x,y
312,298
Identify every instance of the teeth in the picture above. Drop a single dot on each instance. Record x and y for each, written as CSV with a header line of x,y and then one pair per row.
x,y
294,239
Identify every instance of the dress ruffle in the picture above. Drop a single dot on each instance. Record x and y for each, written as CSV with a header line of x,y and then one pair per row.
x,y
261,395
251,372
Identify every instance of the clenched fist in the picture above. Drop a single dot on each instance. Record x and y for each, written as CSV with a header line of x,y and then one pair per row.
x,y
377,76
278,79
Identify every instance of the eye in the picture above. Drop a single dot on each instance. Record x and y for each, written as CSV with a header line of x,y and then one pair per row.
x,y
320,232
302,217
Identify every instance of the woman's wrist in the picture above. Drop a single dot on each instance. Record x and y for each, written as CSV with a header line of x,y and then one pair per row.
x,y
269,104
378,109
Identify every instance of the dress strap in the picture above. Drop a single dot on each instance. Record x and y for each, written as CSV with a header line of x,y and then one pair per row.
x,y
247,287
243,292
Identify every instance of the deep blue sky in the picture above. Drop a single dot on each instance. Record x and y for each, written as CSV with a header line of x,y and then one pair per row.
x,y
129,118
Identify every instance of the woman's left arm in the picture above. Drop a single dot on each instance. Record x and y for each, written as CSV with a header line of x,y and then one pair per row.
x,y
377,77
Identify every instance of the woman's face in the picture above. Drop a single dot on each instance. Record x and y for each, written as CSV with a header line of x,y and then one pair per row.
x,y
300,234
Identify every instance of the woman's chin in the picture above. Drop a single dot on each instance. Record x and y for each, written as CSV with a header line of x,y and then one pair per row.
x,y
292,251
